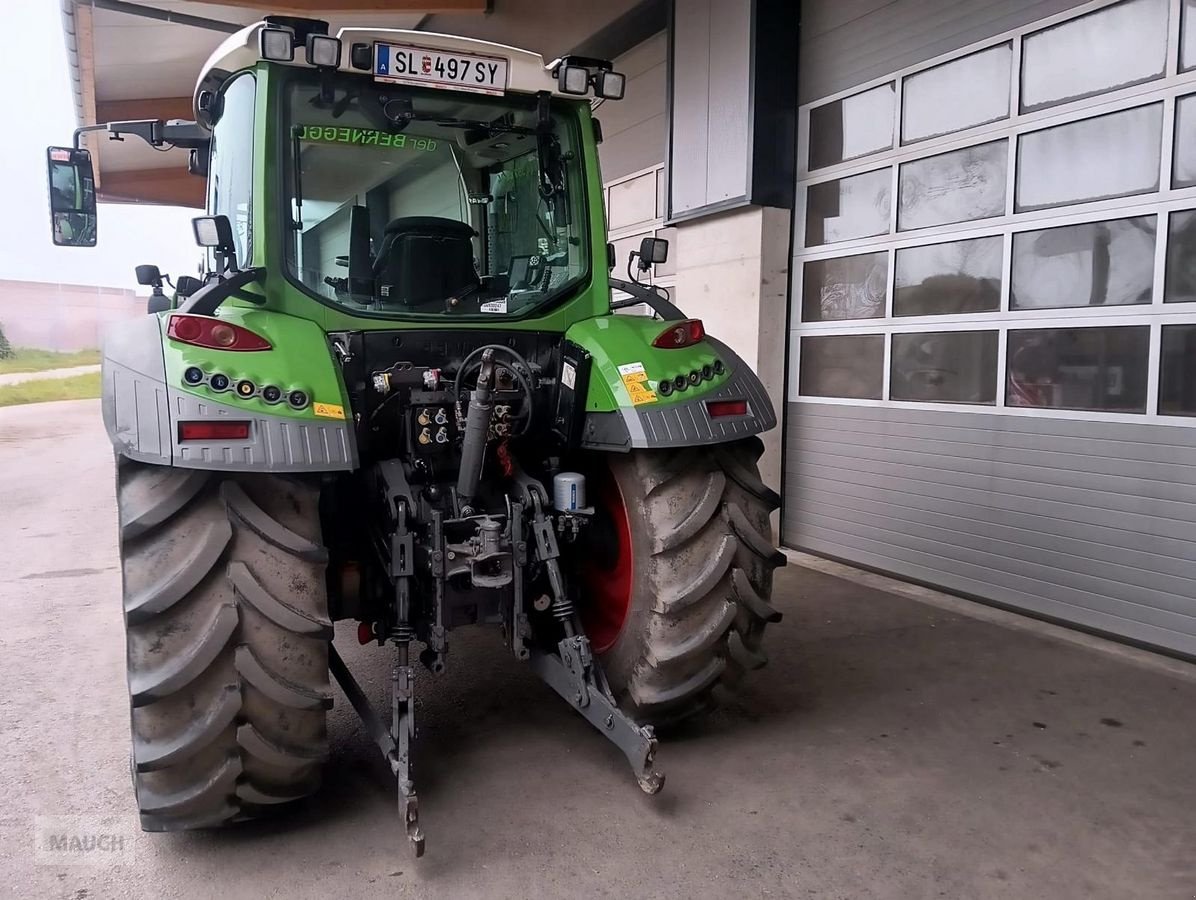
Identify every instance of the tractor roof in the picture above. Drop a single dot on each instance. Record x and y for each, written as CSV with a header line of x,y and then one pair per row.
x,y
527,72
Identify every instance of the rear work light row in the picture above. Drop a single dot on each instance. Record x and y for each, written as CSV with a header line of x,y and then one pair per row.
x,y
682,382
245,388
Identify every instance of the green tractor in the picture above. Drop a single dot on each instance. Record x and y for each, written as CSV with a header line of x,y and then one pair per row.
x,y
400,395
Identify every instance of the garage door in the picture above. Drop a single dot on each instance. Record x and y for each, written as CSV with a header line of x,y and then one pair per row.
x,y
993,336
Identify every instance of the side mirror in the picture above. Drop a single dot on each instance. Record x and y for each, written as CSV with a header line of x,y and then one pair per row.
x,y
150,276
653,251
216,233
72,197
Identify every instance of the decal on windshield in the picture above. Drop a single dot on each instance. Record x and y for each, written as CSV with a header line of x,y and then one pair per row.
x,y
364,137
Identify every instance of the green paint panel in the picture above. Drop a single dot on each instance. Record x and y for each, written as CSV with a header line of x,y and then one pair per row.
x,y
615,341
301,360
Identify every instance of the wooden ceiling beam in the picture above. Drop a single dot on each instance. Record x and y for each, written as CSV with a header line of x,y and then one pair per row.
x,y
163,187
144,108
316,7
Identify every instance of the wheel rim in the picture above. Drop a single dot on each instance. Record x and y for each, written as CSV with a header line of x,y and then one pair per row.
x,y
608,566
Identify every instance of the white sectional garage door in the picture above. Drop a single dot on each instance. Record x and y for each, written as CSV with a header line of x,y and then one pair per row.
x,y
993,335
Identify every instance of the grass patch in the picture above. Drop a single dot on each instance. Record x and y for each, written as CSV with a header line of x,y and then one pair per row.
x,y
26,359
77,387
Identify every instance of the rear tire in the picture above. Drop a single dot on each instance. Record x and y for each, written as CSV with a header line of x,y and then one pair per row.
x,y
701,577
227,628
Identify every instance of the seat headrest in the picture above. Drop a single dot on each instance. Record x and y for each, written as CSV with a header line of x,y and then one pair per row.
x,y
431,225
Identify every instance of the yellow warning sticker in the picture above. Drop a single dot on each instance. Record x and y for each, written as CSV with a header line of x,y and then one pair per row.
x,y
328,410
635,379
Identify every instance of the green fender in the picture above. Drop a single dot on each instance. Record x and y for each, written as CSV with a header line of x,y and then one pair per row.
x,y
638,395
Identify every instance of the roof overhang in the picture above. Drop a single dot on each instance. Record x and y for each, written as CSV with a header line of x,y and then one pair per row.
x,y
141,60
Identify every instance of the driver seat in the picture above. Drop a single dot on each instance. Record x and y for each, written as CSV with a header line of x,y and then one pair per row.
x,y
424,260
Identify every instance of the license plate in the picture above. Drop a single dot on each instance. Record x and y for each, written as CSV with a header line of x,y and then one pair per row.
x,y
408,64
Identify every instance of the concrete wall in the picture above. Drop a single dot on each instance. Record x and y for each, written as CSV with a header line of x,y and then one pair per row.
x,y
733,274
62,316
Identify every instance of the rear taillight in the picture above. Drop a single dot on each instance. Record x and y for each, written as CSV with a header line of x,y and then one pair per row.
x,y
680,334
718,408
212,333
213,431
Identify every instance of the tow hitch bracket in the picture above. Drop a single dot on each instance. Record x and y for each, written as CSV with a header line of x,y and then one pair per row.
x,y
638,742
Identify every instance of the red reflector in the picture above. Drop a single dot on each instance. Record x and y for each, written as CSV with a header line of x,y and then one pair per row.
x,y
210,332
365,632
680,334
718,408
213,431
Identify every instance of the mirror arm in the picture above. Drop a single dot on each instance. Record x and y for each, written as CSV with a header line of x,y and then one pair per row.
x,y
651,296
208,298
79,132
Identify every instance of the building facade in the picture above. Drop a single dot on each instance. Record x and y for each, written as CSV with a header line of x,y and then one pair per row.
x,y
979,310
957,239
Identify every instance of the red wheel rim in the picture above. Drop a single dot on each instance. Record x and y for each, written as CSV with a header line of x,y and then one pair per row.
x,y
608,566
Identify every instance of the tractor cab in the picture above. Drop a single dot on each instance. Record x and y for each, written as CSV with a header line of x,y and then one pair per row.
x,y
385,174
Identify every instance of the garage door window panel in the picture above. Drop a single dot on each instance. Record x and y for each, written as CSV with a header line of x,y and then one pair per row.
x,y
849,287
1187,41
1180,283
950,278
853,127
1099,369
842,365
1091,264
1183,162
1177,370
945,367
957,95
848,208
1114,155
1116,47
959,186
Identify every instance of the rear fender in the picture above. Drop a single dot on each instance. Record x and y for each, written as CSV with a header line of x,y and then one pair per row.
x,y
625,406
145,396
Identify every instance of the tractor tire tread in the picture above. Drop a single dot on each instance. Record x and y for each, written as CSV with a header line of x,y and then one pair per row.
x,y
708,578
228,631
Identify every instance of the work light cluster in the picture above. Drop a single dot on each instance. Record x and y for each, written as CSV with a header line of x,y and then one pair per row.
x,y
681,382
245,389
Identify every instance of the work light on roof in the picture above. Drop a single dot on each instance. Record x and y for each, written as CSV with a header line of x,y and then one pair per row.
x,y
278,44
610,85
323,51
573,79
578,75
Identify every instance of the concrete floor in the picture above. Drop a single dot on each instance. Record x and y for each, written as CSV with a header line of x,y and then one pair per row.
x,y
892,749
